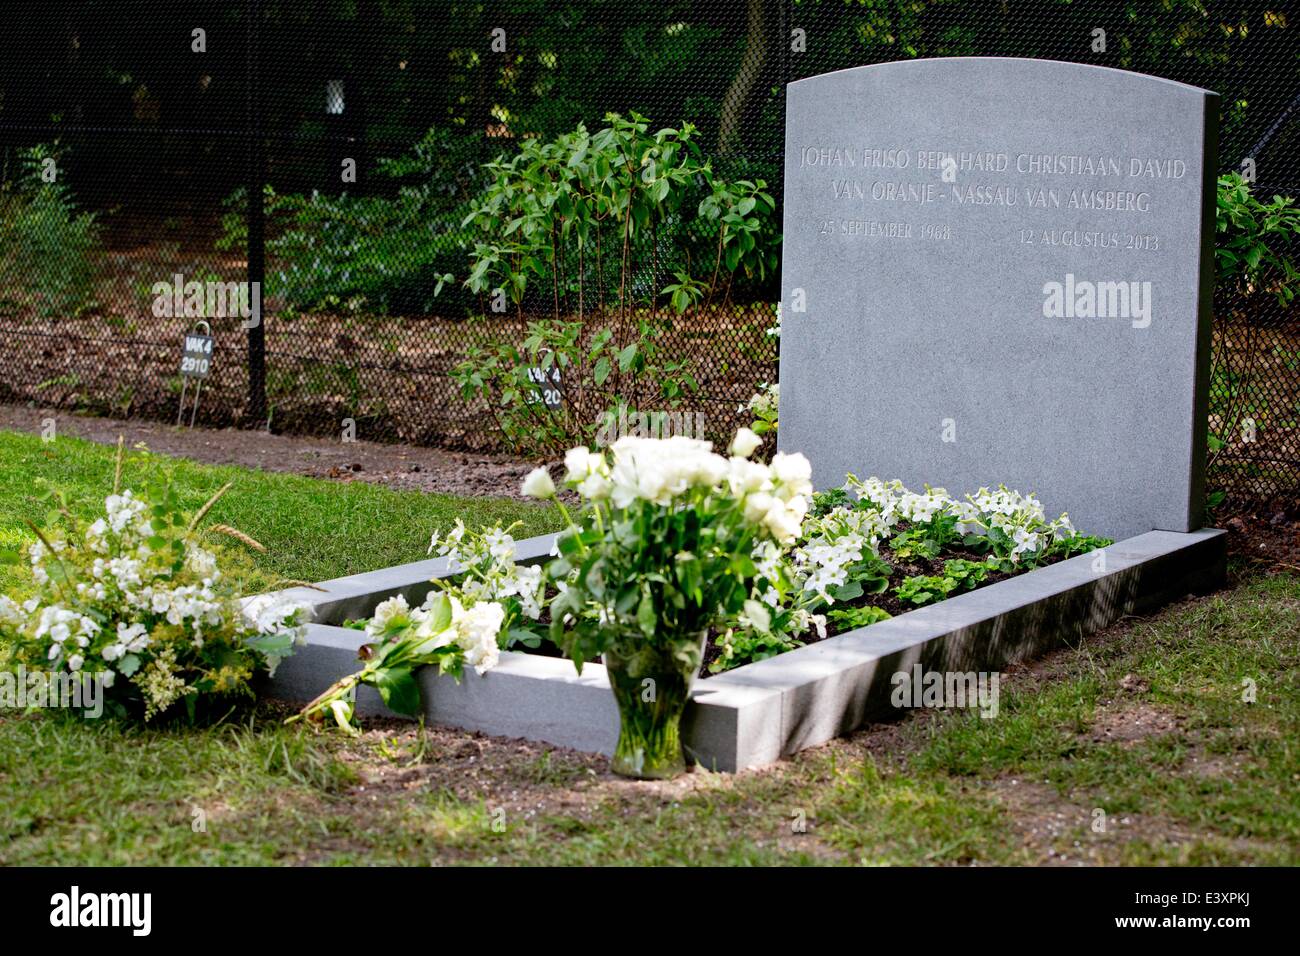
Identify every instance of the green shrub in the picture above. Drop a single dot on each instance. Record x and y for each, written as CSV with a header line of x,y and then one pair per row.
x,y
594,219
599,380
1255,252
47,247
583,226
1256,241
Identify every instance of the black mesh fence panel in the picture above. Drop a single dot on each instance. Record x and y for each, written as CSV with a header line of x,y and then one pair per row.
x,y
137,137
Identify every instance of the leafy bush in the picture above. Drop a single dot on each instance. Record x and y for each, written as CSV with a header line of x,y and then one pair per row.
x,y
47,247
578,218
598,378
568,223
1256,241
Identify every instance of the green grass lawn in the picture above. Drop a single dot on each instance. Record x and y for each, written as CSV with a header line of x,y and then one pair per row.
x,y
313,530
1144,729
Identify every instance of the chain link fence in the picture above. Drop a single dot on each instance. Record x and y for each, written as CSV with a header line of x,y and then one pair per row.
x,y
133,136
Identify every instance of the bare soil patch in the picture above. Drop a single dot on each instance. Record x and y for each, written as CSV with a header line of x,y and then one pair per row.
x,y
1129,723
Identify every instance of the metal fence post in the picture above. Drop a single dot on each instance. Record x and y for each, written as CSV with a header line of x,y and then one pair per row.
x,y
255,413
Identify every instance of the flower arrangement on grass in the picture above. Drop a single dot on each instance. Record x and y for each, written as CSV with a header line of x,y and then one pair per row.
x,y
134,601
660,557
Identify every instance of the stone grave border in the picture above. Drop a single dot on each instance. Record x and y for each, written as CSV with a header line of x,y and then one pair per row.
x,y
756,714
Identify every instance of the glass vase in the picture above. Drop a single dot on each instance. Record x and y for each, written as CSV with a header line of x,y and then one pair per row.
x,y
651,687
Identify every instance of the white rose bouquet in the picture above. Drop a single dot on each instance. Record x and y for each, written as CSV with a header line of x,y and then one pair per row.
x,y
661,555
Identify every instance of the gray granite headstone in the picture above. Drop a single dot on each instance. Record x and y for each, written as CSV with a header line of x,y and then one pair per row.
x,y
1000,271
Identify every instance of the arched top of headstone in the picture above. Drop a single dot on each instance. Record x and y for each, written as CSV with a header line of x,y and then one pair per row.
x,y
999,271
1055,70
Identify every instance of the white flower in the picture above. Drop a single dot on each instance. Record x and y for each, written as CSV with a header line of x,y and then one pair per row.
x,y
538,484
922,509
75,662
658,470
126,571
500,545
131,639
483,657
784,519
391,613
274,614
580,463
757,506
766,402
9,613
122,509
595,487
745,443
201,562
476,624
525,583
476,634
96,537
794,474
747,476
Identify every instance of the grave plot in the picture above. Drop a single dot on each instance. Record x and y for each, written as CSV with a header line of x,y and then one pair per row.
x,y
995,271
759,712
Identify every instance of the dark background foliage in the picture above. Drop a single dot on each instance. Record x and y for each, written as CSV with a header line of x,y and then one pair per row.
x,y
158,142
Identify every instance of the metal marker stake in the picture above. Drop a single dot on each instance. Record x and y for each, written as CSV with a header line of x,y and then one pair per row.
x,y
199,375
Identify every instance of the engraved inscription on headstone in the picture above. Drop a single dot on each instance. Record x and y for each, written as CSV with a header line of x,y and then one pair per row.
x,y
1003,271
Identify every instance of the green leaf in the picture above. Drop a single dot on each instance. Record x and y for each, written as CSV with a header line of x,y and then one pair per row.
x,y
602,370
646,617
626,357
847,592
440,612
519,635
397,687
271,645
